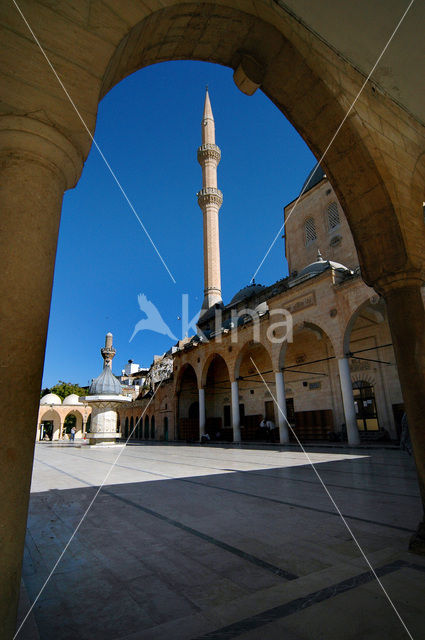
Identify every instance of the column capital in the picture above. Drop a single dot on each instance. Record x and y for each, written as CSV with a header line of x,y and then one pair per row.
x,y
25,137
409,279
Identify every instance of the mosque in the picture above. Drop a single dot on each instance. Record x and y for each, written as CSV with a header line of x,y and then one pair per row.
x,y
316,343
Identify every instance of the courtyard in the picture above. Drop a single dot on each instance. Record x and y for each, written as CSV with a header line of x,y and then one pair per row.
x,y
188,542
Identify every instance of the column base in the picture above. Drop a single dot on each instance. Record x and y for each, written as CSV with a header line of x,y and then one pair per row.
x,y
103,438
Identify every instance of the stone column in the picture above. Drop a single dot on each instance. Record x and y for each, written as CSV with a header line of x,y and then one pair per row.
x,y
235,412
348,401
281,412
406,318
202,419
37,164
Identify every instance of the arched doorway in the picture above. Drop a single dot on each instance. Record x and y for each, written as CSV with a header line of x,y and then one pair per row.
x,y
146,427
188,407
131,434
166,429
153,428
126,428
218,399
50,425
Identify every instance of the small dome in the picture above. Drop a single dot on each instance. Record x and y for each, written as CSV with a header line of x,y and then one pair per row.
x,y
321,265
106,384
51,398
247,292
72,399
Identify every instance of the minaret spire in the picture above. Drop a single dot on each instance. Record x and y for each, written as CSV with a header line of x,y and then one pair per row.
x,y
210,200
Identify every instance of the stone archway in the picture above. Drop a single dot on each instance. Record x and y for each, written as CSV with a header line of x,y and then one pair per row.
x,y
370,163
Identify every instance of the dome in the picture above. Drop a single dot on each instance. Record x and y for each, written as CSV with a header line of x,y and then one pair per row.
x,y
314,177
247,292
106,384
51,398
321,265
72,399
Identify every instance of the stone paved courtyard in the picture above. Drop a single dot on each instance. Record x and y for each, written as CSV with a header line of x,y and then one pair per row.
x,y
190,542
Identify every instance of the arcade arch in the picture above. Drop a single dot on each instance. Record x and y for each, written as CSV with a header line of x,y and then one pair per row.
x,y
308,80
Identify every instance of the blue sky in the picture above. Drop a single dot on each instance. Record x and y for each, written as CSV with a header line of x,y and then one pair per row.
x,y
149,128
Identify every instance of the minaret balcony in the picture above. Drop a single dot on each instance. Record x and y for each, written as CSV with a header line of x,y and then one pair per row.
x,y
209,151
209,195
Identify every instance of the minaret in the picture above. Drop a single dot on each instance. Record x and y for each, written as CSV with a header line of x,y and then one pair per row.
x,y
210,200
108,351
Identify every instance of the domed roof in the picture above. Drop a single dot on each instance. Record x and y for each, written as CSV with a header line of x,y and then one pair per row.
x,y
51,398
106,384
321,265
72,399
247,292
314,177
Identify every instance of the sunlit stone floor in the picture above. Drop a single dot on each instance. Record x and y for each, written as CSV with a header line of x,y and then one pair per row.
x,y
190,542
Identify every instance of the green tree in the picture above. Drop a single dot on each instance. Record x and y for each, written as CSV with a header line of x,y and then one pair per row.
x,y
64,389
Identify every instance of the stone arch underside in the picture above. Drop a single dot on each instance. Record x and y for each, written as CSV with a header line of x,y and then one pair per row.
x,y
301,75
305,91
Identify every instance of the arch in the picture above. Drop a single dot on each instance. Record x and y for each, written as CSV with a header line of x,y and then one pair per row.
x,y
372,306
131,427
165,428
313,398
153,428
217,398
222,33
146,433
256,390
53,416
252,347
185,370
188,422
126,431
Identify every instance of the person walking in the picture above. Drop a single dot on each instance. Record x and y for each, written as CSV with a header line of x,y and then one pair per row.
x,y
72,434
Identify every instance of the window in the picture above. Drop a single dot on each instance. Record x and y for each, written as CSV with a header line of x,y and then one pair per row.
x,y
309,231
333,215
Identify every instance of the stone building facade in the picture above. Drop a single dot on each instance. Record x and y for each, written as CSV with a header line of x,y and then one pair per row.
x,y
316,344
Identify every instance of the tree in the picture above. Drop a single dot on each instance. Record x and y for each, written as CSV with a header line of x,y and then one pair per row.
x,y
64,389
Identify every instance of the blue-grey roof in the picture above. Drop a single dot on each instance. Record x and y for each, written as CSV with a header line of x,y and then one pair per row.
x,y
106,384
314,177
247,292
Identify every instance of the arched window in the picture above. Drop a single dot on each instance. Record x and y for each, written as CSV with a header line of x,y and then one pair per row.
x,y
147,428
309,231
152,427
332,215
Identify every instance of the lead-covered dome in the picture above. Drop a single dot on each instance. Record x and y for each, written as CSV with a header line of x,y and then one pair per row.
x,y
72,399
321,265
50,398
247,292
106,384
